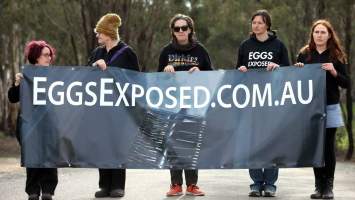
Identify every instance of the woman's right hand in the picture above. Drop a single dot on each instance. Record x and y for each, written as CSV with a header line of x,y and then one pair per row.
x,y
299,64
169,68
101,64
243,69
18,78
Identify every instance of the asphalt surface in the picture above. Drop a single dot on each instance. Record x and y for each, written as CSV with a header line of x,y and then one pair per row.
x,y
81,184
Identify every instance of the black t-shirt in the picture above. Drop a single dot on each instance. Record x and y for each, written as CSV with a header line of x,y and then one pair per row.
x,y
255,54
333,83
183,60
127,59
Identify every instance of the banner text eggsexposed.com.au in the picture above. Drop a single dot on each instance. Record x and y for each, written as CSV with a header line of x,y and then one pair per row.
x,y
107,92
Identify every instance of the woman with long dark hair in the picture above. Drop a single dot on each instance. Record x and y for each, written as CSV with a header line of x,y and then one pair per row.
x,y
324,47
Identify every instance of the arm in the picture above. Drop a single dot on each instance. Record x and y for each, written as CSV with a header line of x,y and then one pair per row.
x,y
342,77
284,61
207,64
14,94
240,58
162,61
133,60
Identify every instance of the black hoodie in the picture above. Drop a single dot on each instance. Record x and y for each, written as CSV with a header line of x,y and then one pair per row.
x,y
184,58
127,59
333,83
256,54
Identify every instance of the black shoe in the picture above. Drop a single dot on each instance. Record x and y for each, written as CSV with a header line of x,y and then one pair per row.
x,y
102,193
117,193
328,189
318,192
33,197
46,196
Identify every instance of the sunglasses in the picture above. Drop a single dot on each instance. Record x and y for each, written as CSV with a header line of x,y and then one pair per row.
x,y
178,28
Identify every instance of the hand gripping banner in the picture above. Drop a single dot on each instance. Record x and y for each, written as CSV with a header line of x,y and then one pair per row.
x,y
117,118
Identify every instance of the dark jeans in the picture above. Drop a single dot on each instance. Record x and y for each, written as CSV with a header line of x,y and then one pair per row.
x,y
329,156
41,179
112,179
264,177
191,176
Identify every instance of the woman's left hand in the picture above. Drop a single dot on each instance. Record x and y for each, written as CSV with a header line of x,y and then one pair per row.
x,y
271,66
194,69
330,67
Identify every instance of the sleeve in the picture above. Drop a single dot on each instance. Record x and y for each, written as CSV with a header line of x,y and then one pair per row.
x,y
342,78
240,57
14,94
132,60
284,61
301,58
92,58
162,61
207,64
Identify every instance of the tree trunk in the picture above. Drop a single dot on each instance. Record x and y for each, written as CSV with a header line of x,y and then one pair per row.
x,y
349,106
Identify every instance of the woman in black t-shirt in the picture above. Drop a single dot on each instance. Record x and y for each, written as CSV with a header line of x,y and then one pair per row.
x,y
324,47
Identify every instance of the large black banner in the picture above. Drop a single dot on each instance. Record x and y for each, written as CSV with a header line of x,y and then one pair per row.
x,y
85,117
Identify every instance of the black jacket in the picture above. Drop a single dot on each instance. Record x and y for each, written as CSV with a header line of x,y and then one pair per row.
x,y
184,59
333,83
127,59
255,54
14,96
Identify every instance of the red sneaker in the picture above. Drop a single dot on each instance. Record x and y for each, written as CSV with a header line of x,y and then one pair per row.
x,y
194,191
175,190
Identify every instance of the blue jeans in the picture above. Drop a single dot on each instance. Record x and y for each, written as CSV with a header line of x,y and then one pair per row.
x,y
264,177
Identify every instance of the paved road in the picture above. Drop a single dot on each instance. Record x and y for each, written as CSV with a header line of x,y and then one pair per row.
x,y
80,184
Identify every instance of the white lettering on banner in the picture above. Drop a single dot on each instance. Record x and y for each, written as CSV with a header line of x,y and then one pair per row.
x,y
261,99
110,93
77,94
104,91
90,93
37,90
60,94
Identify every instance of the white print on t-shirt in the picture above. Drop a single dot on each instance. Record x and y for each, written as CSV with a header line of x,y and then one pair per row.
x,y
259,59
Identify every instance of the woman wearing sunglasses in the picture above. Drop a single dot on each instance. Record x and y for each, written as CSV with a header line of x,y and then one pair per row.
x,y
183,53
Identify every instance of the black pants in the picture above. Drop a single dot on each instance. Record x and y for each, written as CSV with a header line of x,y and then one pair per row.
x,y
41,179
112,179
329,156
191,176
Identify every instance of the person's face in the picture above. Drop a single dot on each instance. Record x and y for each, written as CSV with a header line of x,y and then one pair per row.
x,y
258,26
320,35
45,58
181,31
102,39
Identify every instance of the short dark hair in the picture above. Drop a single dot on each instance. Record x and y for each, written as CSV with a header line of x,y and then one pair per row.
x,y
34,48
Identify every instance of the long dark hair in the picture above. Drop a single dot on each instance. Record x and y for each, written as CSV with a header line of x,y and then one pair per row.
x,y
333,43
190,24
